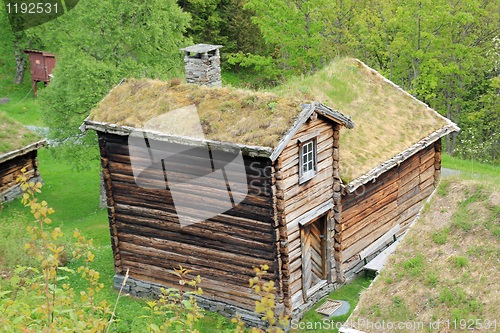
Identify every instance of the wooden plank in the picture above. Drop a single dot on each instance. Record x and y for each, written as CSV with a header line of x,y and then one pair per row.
x,y
301,207
353,218
240,222
351,199
428,173
147,228
198,251
305,270
310,215
368,224
371,203
409,186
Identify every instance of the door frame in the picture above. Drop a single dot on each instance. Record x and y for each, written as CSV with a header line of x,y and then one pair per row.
x,y
325,254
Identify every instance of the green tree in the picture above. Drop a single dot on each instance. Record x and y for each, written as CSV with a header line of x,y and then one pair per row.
x,y
309,33
435,49
207,20
13,44
97,44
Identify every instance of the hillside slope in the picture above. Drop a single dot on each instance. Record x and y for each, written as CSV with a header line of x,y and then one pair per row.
x,y
445,269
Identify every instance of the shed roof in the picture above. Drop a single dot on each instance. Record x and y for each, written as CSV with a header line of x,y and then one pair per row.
x,y
388,120
15,139
45,54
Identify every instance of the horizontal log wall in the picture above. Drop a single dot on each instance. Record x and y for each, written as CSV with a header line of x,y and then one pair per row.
x,y
394,198
293,200
11,169
148,239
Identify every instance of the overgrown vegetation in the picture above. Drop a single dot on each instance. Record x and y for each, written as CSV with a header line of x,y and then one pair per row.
x,y
13,135
446,267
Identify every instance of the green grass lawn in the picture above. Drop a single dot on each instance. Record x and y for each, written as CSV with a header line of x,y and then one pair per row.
x,y
26,111
472,169
317,322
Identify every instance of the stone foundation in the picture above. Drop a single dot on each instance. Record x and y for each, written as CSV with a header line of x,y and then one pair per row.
x,y
16,191
144,289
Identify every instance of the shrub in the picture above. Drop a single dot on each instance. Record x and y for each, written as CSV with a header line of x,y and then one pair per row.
x,y
39,301
266,305
460,261
432,278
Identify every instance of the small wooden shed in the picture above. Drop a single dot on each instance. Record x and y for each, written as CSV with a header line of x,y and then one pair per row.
x,y
18,149
321,196
41,66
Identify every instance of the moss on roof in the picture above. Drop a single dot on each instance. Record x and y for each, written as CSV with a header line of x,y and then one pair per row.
x,y
232,115
14,135
387,121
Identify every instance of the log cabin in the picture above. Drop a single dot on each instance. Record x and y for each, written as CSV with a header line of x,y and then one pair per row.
x,y
313,196
18,150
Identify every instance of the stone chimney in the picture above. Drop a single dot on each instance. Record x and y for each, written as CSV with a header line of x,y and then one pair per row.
x,y
203,64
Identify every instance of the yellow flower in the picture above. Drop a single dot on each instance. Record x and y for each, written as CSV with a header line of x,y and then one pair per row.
x,y
24,108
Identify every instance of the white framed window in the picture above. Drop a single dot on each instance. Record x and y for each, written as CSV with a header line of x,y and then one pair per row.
x,y
307,160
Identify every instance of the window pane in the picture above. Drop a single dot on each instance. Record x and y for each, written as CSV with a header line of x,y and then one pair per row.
x,y
308,157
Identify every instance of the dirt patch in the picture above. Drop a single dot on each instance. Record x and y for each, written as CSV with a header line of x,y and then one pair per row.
x,y
495,198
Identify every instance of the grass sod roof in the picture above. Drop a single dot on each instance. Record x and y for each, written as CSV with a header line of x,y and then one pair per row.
x,y
387,120
226,114
13,135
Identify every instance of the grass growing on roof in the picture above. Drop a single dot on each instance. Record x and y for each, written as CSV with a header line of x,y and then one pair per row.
x,y
226,114
386,120
14,135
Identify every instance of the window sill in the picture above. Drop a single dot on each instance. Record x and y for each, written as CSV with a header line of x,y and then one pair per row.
x,y
308,176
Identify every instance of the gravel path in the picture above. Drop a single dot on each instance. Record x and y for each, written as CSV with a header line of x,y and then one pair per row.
x,y
445,172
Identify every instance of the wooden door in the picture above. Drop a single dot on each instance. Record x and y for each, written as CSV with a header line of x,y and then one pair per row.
x,y
37,65
313,242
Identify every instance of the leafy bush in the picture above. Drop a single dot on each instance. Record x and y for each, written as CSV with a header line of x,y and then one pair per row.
x,y
266,305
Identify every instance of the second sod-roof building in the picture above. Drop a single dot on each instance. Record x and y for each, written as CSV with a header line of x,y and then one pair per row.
x,y
18,150
313,180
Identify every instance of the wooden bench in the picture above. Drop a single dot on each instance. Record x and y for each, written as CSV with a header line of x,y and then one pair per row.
x,y
379,261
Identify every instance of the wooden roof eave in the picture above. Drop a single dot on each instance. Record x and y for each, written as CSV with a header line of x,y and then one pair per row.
x,y
253,151
21,151
302,118
401,157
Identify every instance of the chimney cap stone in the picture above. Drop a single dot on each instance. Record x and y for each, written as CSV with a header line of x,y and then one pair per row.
x,y
201,48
